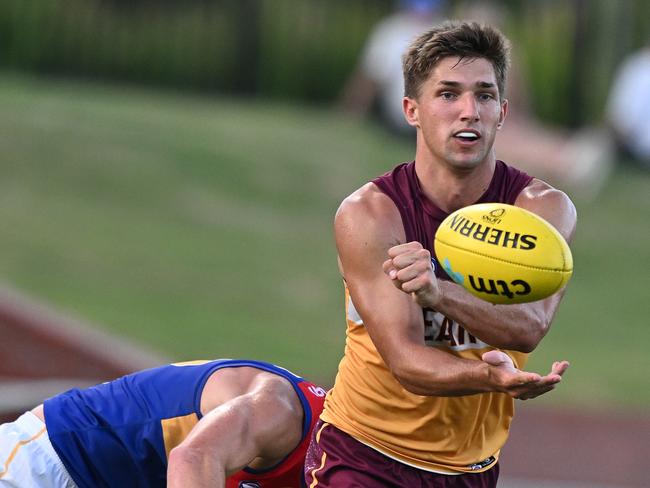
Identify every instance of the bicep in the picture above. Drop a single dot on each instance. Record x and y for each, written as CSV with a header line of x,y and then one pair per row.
x,y
254,425
557,209
392,319
223,436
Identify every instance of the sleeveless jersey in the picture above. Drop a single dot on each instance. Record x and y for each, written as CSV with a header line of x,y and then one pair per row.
x,y
120,433
448,435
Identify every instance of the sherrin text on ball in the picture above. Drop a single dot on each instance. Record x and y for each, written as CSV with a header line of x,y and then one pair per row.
x,y
502,253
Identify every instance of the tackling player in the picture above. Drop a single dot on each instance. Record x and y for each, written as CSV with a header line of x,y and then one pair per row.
x,y
222,423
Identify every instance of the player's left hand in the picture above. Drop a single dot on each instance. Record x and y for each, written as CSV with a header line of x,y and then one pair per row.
x,y
529,390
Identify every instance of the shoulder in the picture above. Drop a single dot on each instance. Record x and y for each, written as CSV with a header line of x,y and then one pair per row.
x,y
257,423
366,220
276,416
539,191
551,204
366,225
368,197
266,403
367,207
276,397
278,393
254,387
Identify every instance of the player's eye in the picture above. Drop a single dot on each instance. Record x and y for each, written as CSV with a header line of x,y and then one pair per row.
x,y
447,95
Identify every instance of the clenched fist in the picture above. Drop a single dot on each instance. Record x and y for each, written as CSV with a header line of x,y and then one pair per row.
x,y
410,268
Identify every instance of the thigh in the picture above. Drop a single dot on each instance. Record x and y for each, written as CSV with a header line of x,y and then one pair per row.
x,y
337,460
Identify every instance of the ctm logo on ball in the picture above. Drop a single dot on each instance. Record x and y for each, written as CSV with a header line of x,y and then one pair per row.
x,y
486,285
502,253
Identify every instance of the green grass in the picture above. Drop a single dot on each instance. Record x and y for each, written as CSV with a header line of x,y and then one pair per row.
x,y
603,326
202,228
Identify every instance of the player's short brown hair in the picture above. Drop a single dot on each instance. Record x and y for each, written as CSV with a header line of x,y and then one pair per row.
x,y
466,40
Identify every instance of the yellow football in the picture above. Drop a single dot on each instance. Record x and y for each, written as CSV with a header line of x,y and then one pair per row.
x,y
502,253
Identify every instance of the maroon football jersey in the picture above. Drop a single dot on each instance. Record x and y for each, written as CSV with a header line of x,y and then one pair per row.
x,y
421,217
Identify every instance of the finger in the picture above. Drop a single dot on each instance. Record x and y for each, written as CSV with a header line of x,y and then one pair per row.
x,y
402,248
533,390
409,280
418,285
525,379
534,394
544,385
559,367
389,269
411,273
496,358
551,378
408,258
412,258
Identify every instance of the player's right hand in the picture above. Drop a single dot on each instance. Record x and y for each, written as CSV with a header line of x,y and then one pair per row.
x,y
409,268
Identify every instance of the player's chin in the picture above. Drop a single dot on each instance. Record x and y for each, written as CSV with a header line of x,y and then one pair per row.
x,y
467,160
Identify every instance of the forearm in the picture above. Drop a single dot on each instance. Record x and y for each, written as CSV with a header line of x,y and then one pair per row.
x,y
220,444
432,372
514,327
427,371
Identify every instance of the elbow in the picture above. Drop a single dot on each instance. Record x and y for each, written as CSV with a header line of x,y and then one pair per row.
x,y
186,465
187,459
416,389
408,375
525,346
183,456
529,338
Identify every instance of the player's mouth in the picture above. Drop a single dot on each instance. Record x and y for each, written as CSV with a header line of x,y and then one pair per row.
x,y
467,136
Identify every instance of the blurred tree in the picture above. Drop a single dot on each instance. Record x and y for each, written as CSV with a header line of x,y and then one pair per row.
x,y
303,48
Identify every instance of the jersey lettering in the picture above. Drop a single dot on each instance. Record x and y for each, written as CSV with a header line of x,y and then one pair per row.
x,y
441,331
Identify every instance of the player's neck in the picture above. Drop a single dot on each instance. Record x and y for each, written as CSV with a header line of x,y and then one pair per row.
x,y
449,188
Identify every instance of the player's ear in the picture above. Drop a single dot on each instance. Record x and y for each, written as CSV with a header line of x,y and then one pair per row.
x,y
503,114
410,108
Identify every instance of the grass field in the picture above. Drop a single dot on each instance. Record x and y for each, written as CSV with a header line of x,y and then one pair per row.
x,y
202,228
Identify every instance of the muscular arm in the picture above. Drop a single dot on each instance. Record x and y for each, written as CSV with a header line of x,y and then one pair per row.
x,y
263,424
366,227
518,327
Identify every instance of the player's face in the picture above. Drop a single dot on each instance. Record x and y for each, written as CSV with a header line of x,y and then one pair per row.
x,y
458,112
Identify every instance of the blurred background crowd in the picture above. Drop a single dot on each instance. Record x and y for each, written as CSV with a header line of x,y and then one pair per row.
x,y
579,84
171,169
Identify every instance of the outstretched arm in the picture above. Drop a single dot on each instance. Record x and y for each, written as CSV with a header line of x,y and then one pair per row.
x,y
263,424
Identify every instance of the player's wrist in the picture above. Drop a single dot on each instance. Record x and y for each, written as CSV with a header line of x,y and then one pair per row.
x,y
437,295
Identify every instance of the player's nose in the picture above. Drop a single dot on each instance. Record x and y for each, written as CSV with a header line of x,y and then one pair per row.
x,y
469,107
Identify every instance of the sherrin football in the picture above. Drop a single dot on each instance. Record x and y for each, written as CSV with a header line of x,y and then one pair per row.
x,y
502,253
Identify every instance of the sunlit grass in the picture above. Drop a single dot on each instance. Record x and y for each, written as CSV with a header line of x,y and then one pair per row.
x,y
202,228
